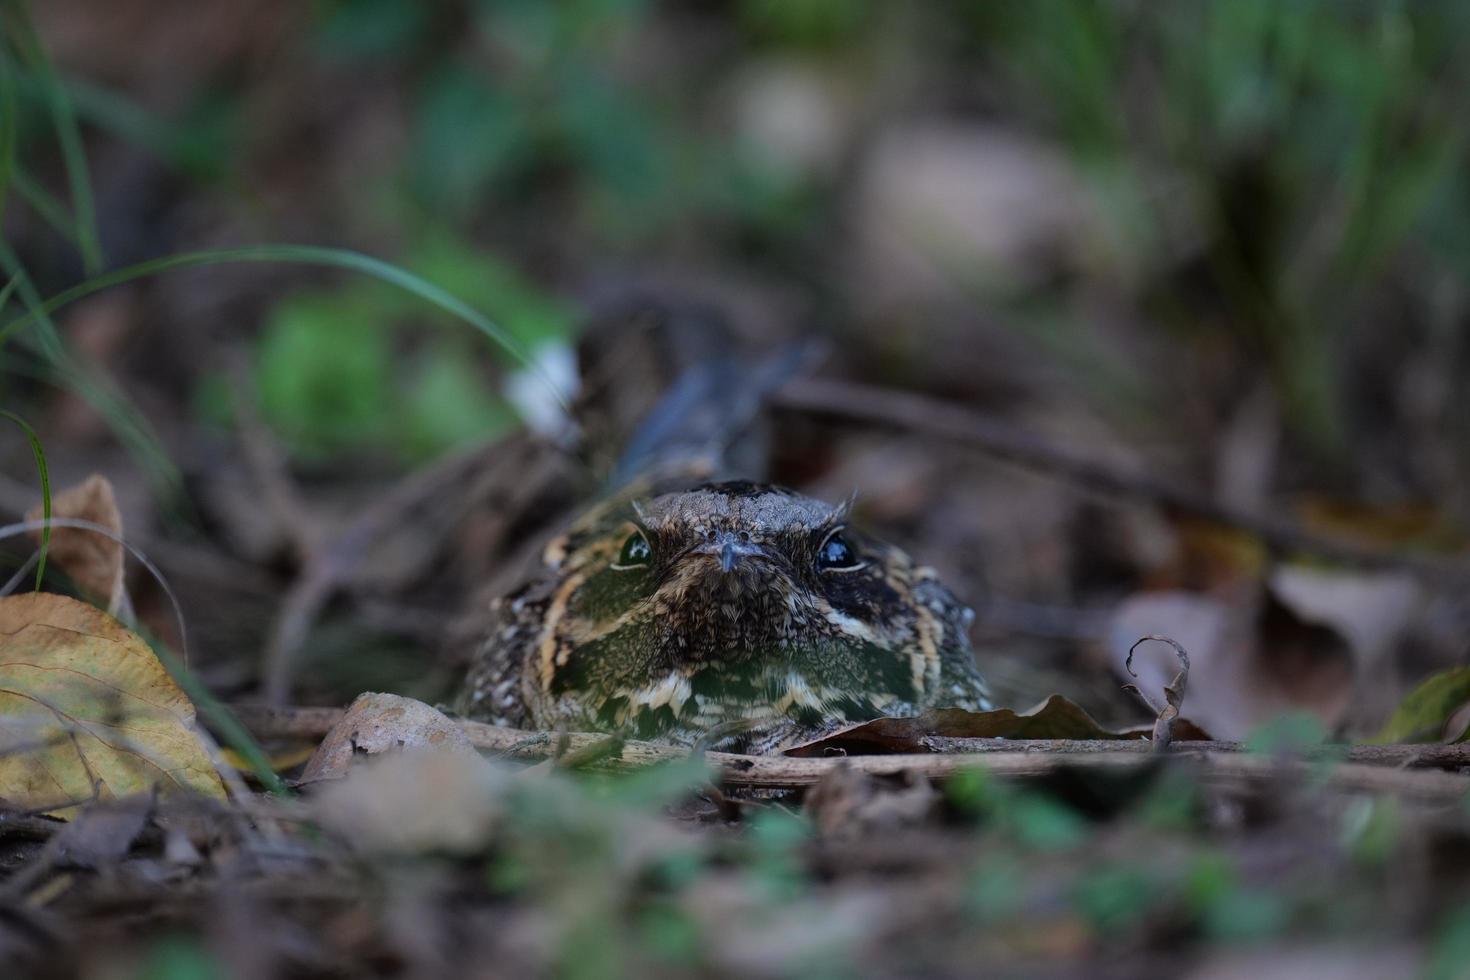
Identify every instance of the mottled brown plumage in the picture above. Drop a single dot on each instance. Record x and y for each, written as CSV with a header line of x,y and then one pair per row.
x,y
728,606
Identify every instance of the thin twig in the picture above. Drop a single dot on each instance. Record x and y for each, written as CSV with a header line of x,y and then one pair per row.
x,y
334,563
884,406
1362,768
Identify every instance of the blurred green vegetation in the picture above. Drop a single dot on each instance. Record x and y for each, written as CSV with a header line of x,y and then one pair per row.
x,y
1315,141
1273,181
363,365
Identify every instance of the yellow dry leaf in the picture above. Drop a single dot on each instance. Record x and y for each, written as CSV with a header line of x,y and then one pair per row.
x,y
82,701
94,561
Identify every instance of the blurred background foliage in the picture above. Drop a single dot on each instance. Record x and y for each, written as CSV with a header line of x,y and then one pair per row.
x,y
1263,189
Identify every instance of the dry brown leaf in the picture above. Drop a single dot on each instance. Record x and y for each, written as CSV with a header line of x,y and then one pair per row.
x,y
1168,714
94,561
86,708
1056,717
377,723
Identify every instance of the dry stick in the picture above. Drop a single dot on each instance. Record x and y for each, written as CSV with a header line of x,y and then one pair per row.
x,y
883,406
1233,769
1367,767
268,464
334,563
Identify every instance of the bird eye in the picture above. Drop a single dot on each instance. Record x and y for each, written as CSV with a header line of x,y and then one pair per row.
x,y
636,552
836,554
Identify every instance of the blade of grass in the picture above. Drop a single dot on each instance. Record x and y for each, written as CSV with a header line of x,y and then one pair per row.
x,y
52,211
9,288
118,115
220,717
40,455
45,336
336,258
7,128
174,143
131,427
68,136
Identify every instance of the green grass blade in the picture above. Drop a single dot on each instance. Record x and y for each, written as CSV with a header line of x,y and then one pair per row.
x,y
52,211
8,289
40,455
46,336
8,128
223,721
68,136
302,255
115,113
132,429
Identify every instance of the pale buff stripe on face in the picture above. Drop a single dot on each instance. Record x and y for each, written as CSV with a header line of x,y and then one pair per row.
x,y
548,660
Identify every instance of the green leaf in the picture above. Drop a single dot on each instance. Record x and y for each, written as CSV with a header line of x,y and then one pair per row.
x,y
181,957
1294,731
1422,714
322,371
1045,824
661,785
526,312
449,405
1228,910
670,933
469,134
376,30
1371,829
1114,898
997,888
804,23
1451,949
1246,915
610,136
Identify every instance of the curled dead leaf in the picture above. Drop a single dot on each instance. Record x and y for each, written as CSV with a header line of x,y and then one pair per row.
x,y
87,710
94,561
1056,717
1251,660
1168,714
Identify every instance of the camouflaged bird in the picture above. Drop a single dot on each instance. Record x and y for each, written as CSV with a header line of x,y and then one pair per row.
x,y
728,607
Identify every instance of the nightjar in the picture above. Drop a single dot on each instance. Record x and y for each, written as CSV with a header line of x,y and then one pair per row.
x,y
732,606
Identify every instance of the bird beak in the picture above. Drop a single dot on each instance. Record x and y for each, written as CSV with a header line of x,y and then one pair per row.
x,y
728,549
